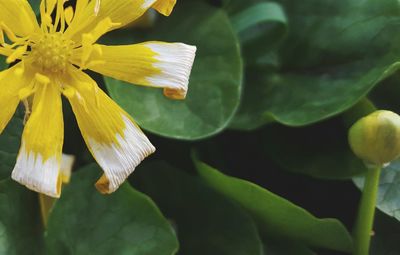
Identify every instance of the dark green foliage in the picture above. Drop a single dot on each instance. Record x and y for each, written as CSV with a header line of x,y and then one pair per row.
x,y
281,79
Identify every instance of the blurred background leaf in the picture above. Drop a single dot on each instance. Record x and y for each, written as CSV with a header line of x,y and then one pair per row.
x,y
385,240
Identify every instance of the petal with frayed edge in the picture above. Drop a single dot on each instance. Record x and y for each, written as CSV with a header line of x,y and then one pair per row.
x,y
164,7
18,17
115,141
89,14
39,158
12,81
155,64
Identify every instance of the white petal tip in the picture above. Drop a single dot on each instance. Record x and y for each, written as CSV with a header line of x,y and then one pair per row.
x,y
175,60
120,160
37,174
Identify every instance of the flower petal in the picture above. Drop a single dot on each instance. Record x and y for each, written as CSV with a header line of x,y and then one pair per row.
x,y
115,141
18,16
155,64
67,162
39,158
122,12
11,82
164,7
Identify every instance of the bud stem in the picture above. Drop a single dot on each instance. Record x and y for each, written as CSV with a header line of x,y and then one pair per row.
x,y
365,219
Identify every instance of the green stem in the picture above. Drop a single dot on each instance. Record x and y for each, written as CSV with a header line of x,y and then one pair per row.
x,y
365,219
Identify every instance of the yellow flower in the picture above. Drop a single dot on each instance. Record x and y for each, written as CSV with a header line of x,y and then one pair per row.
x,y
51,59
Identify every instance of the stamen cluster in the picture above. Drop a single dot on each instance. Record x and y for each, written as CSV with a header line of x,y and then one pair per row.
x,y
51,52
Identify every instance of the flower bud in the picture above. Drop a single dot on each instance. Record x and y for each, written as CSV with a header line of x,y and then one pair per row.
x,y
376,138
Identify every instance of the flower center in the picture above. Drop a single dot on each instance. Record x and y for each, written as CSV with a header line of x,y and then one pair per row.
x,y
52,52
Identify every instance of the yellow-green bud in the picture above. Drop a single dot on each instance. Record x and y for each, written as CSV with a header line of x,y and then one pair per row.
x,y
376,138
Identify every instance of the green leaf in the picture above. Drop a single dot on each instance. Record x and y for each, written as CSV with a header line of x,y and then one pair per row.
x,y
277,217
3,64
389,189
206,222
215,83
9,145
20,223
386,236
35,6
320,150
127,222
260,25
286,248
320,77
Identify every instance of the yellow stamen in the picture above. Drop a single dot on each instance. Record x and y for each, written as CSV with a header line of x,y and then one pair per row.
x,y
69,14
5,52
10,34
60,18
97,7
42,79
26,92
17,54
51,52
101,28
45,17
2,41
89,39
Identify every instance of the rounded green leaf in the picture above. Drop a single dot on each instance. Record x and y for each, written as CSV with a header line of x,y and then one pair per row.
x,y
206,222
261,25
21,231
319,77
84,221
215,83
277,217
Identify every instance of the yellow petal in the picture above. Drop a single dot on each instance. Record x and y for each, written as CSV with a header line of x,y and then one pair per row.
x,y
11,82
122,12
39,158
18,16
164,7
115,141
67,162
155,64
147,20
